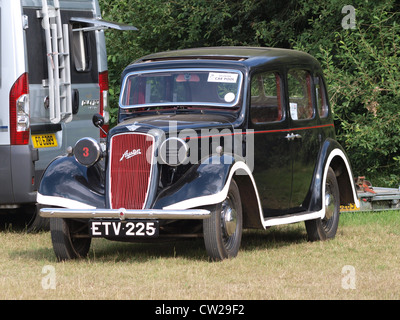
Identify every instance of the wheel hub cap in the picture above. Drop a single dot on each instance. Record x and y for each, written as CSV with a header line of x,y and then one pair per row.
x,y
229,219
329,206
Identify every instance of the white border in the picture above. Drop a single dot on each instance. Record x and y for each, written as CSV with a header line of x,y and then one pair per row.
x,y
217,197
340,153
61,202
221,195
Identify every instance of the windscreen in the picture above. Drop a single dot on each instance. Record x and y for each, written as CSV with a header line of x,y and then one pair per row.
x,y
183,87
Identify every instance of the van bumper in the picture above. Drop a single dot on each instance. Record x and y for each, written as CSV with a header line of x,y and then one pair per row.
x,y
17,174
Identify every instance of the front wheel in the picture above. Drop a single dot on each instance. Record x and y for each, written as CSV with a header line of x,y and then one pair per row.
x,y
70,238
325,228
223,230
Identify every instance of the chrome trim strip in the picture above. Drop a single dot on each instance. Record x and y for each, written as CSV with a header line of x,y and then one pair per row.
x,y
124,214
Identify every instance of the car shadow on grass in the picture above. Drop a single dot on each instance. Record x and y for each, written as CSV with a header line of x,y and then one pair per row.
x,y
15,220
274,237
103,250
192,249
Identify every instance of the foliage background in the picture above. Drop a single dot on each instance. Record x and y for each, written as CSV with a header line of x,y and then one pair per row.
x,y
361,65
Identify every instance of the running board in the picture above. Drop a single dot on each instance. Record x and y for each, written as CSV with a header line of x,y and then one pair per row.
x,y
293,218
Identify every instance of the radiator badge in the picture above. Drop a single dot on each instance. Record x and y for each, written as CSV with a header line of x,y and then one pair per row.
x,y
128,155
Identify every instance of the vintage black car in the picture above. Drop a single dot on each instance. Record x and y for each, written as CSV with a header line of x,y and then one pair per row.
x,y
209,141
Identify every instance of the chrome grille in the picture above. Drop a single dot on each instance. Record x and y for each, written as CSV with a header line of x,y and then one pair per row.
x,y
130,168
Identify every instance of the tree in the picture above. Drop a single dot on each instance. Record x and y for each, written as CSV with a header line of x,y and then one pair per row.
x,y
361,64
362,71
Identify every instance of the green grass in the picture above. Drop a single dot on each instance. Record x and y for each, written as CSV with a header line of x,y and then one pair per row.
x,y
278,263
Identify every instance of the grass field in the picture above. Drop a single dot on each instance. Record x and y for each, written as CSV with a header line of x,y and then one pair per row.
x,y
362,262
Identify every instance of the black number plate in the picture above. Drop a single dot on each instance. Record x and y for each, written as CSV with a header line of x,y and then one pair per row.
x,y
129,228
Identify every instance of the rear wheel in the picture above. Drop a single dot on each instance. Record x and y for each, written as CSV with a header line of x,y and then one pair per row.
x,y
223,230
70,238
325,228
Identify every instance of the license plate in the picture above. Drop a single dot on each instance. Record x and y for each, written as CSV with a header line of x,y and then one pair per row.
x,y
130,228
44,140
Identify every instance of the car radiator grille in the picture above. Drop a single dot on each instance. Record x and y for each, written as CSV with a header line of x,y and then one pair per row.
x,y
130,170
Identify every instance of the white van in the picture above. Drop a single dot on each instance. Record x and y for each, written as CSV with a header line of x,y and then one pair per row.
x,y
53,78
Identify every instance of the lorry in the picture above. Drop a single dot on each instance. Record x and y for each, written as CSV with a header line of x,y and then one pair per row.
x,y
53,78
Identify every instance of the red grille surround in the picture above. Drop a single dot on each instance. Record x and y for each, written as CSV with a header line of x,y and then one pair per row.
x,y
130,167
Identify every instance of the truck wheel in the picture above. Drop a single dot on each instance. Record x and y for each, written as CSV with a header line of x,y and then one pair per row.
x,y
37,223
325,228
223,230
69,238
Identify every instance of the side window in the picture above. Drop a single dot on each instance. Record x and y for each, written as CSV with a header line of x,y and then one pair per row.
x,y
321,97
266,102
299,88
81,49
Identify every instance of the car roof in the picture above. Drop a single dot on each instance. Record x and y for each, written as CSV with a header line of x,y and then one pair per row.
x,y
248,56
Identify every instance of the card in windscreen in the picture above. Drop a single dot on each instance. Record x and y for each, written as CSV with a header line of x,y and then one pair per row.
x,y
223,77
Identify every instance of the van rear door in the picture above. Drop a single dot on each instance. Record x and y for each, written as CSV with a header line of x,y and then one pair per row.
x,y
88,74
52,139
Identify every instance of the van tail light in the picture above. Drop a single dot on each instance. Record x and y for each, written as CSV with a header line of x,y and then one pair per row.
x,y
19,111
103,83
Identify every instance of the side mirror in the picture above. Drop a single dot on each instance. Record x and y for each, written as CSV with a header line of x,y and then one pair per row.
x,y
98,120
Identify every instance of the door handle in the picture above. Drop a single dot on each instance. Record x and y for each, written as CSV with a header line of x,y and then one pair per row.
x,y
75,101
292,136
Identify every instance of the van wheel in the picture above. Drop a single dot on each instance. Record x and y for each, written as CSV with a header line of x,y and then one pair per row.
x,y
325,228
223,230
37,223
70,238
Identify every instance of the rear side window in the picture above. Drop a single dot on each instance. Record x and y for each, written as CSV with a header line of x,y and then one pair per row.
x,y
83,67
266,98
299,88
321,97
81,49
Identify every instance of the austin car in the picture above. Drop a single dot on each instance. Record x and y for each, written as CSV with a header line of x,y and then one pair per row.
x,y
209,142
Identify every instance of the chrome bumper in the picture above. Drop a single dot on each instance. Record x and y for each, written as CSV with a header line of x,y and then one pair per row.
x,y
124,213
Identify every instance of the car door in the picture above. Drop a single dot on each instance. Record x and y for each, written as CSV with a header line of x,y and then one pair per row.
x,y
305,136
272,154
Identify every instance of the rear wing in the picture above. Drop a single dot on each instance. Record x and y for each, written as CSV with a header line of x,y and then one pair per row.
x,y
58,57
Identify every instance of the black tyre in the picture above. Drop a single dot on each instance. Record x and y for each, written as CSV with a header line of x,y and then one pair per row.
x,y
325,228
223,230
37,223
70,238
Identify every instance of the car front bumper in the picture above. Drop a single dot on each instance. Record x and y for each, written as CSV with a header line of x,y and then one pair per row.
x,y
124,213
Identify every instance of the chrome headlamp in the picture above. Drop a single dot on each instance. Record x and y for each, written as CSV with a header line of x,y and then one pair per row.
x,y
173,151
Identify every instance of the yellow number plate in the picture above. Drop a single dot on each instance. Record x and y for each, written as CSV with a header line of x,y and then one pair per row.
x,y
44,140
